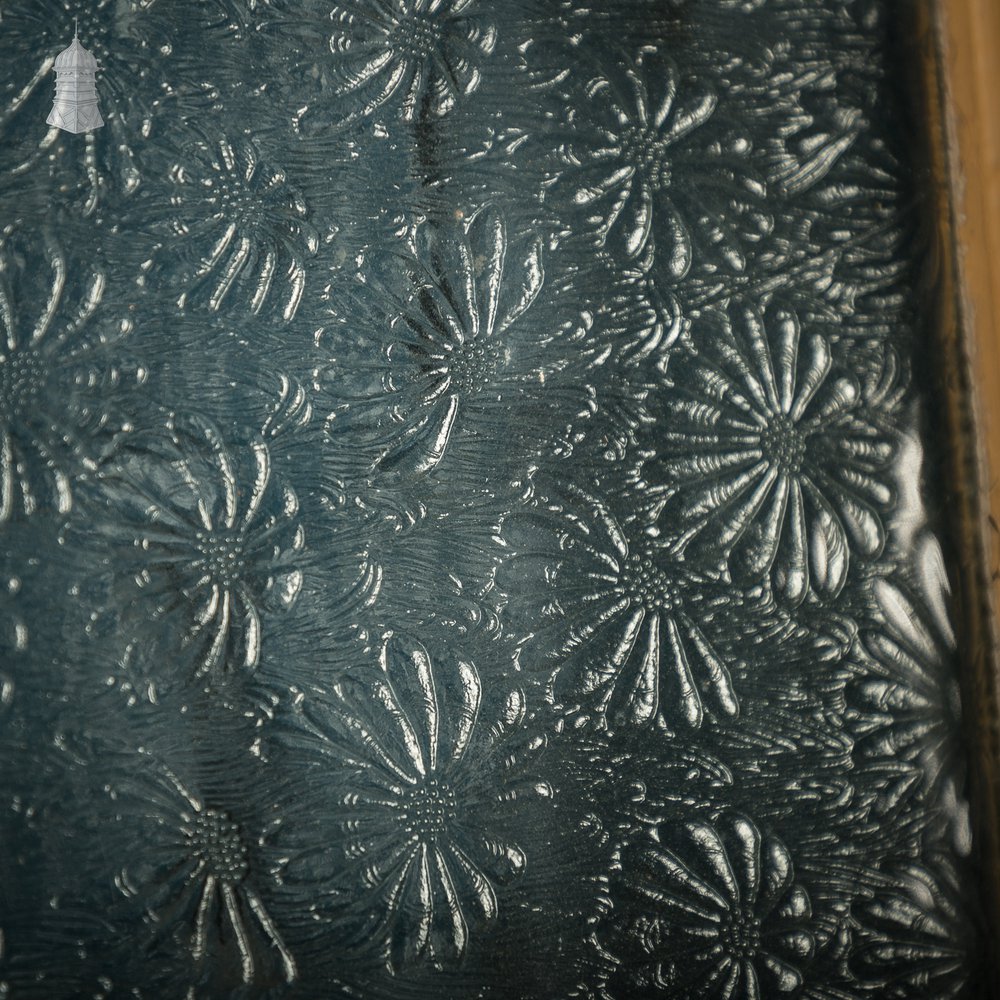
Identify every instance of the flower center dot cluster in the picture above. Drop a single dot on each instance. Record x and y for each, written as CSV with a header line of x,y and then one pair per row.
x,y
216,841
648,584
221,555
473,365
649,151
784,444
21,377
428,809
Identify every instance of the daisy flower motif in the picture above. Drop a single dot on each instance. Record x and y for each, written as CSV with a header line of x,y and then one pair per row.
x,y
907,706
915,939
447,348
209,536
57,381
427,774
775,461
608,605
418,56
194,877
644,169
240,229
724,915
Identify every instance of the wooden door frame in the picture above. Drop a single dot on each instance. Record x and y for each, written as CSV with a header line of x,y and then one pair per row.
x,y
960,40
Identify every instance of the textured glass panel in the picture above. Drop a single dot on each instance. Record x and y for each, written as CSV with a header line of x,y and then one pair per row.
x,y
469,515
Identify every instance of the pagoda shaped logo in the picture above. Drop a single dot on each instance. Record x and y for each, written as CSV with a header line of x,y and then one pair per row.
x,y
75,107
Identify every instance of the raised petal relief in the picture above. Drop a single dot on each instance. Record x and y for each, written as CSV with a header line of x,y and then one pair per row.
x,y
431,772
440,357
57,379
724,916
621,621
212,540
775,460
914,939
125,46
641,166
468,473
196,862
235,223
414,58
906,707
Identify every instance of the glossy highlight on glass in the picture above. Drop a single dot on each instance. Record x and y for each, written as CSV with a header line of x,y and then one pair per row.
x,y
469,511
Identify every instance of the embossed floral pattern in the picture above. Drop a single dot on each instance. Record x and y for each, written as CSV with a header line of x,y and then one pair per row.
x,y
13,630
726,917
630,616
908,945
469,490
647,322
641,322
239,225
420,56
775,461
57,379
443,354
205,542
432,773
197,860
908,705
637,168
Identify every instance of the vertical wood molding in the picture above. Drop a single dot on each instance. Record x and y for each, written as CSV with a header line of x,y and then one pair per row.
x,y
965,83
971,48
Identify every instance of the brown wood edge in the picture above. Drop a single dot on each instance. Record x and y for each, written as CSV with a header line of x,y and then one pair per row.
x,y
956,304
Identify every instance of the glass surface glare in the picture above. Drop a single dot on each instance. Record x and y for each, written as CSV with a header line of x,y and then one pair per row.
x,y
469,512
